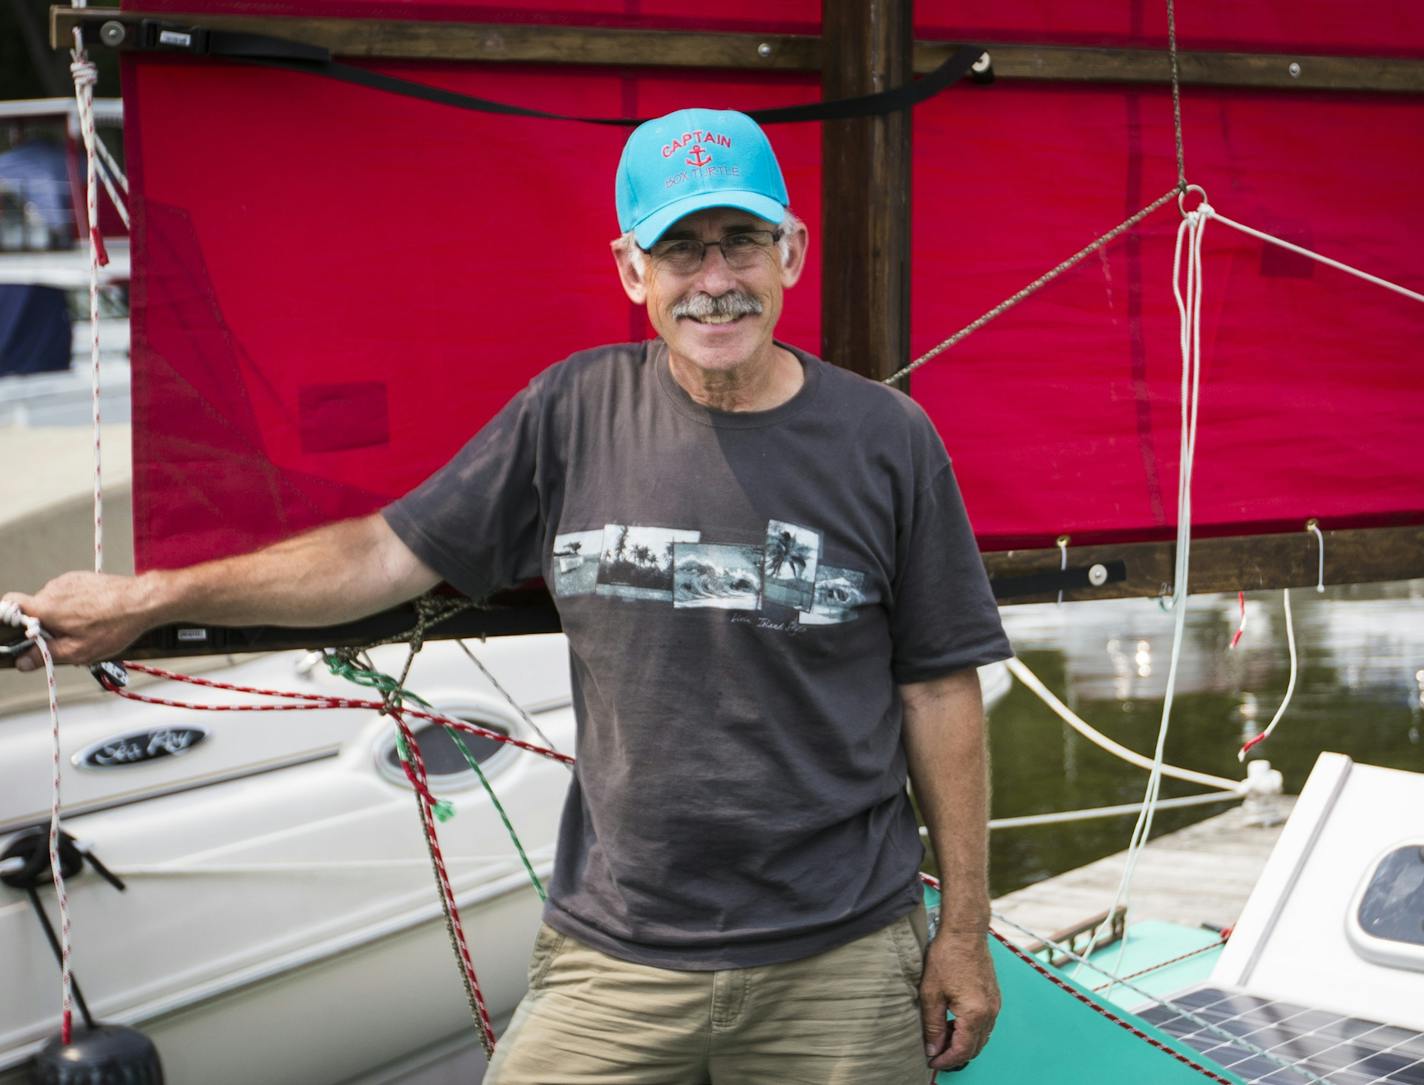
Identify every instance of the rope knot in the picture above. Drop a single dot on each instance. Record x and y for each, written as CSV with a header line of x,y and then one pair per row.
x,y
11,614
84,71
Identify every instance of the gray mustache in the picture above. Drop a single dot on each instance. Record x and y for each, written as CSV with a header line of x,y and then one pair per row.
x,y
731,304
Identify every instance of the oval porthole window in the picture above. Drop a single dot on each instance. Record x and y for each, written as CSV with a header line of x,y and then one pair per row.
x,y
444,761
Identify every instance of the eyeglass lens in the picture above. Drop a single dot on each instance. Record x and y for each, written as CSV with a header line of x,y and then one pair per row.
x,y
740,251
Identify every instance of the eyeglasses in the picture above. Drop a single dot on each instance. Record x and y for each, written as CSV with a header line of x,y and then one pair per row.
x,y
741,250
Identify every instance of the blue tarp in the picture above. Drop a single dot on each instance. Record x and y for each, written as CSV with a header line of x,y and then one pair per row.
x,y
34,329
34,320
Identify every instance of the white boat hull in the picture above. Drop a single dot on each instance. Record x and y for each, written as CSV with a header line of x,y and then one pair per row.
x,y
284,925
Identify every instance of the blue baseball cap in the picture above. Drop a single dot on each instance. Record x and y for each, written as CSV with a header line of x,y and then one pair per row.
x,y
691,160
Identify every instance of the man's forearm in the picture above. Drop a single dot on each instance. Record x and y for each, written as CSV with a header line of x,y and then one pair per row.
x,y
948,761
949,767
336,573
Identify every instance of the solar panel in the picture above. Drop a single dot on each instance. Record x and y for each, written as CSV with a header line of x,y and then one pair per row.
x,y
1342,1050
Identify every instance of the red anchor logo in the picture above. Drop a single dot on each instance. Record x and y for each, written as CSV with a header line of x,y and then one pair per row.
x,y
698,157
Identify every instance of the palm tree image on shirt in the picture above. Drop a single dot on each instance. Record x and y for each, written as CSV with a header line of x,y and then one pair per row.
x,y
789,566
637,561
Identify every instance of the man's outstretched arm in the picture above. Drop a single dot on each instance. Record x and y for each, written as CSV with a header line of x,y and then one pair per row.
x,y
337,573
948,760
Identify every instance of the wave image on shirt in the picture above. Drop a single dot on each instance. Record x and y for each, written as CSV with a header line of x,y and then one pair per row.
x,y
839,592
720,575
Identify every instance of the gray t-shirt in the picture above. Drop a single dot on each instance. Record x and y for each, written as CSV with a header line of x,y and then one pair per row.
x,y
741,592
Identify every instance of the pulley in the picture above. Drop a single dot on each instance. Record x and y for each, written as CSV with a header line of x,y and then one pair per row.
x,y
96,1054
101,1055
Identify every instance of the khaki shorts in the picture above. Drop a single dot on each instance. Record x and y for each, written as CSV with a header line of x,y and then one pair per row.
x,y
849,1015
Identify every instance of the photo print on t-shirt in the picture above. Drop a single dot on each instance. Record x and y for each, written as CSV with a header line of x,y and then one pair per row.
x,y
839,592
674,565
721,575
576,557
637,561
789,564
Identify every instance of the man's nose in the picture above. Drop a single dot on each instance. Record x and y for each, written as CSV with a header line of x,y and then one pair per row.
x,y
714,276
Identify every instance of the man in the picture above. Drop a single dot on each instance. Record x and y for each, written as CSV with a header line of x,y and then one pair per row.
x,y
774,606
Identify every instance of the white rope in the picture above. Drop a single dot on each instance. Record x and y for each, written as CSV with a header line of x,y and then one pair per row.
x,y
85,76
1092,812
1290,683
1097,738
11,614
1211,212
104,163
1158,1000
198,870
1189,311
1314,525
1062,561
112,168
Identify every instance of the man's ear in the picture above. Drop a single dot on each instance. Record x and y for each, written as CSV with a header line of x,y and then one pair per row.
x,y
794,262
631,271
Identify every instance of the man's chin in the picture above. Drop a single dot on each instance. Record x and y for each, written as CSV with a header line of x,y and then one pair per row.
x,y
713,359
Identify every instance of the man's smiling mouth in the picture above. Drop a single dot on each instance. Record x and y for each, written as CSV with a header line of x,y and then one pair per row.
x,y
724,309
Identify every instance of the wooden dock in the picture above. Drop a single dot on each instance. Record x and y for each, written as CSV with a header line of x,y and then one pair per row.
x,y
1200,874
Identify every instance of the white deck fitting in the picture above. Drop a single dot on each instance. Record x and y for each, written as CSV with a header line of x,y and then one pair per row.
x,y
1291,943
1201,874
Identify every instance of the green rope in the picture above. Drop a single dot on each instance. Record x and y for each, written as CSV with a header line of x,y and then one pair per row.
x,y
508,825
344,665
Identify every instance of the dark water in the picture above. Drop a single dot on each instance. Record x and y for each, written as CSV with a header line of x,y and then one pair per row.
x,y
1359,692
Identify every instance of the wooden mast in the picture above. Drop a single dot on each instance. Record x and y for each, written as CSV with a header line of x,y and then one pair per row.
x,y
867,46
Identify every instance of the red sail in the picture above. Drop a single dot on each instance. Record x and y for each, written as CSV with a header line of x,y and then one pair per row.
x,y
334,287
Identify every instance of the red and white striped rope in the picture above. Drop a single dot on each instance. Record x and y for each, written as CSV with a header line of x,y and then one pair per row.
x,y
85,76
1178,959
1241,628
419,778
11,614
1252,743
312,701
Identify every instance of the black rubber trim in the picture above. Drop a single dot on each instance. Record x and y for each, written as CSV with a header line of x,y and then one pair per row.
x,y
1055,580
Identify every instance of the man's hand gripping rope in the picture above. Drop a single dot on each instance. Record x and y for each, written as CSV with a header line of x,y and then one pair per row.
x,y
86,617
